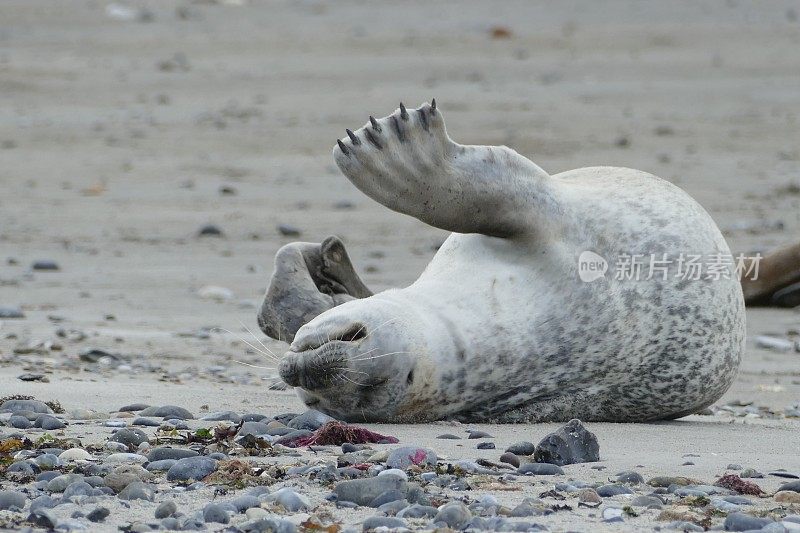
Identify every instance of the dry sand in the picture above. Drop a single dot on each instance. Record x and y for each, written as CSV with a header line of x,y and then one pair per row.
x,y
116,137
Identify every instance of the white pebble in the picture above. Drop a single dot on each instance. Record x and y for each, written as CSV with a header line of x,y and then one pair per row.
x,y
774,343
75,454
126,458
394,472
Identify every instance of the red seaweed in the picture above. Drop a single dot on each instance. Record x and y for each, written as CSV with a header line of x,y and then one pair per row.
x,y
338,433
735,483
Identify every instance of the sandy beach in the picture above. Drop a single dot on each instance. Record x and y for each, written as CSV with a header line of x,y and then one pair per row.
x,y
126,128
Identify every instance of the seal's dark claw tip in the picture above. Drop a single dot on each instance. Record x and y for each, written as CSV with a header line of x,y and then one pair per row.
x,y
353,137
375,125
433,104
403,112
343,148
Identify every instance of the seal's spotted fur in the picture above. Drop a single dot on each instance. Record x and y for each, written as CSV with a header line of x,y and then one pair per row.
x,y
499,326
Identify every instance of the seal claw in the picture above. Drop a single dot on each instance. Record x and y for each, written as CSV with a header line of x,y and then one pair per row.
x,y
433,105
403,112
371,138
375,125
343,148
423,119
356,140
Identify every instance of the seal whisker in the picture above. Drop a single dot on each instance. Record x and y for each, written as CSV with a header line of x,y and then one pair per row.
x,y
378,356
265,354
256,338
254,366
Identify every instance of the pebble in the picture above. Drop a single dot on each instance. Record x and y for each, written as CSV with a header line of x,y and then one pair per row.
x,y
455,515
162,453
137,490
449,436
60,483
589,496
49,423
253,428
571,443
418,511
406,456
46,265
167,411
161,466
33,406
98,514
133,407
290,500
394,472
74,454
612,514
131,437
540,469
521,448
43,518
10,500
477,434
613,489
215,513
191,468
245,502
651,502
123,457
389,522
209,230
47,461
792,485
527,507
486,445
148,422
630,477
288,231
221,416
19,422
787,496
744,522
311,420
7,312
510,458
364,491
774,343
165,509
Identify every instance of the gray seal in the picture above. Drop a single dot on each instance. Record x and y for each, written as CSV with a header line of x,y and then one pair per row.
x,y
522,314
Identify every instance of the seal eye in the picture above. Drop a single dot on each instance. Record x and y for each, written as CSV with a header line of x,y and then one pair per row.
x,y
410,378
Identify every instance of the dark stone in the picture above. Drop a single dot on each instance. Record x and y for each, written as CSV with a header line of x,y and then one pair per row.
x,y
163,453
744,522
311,420
132,408
510,458
210,230
613,489
364,491
388,496
288,231
570,444
33,406
130,437
486,445
455,514
390,522
98,514
7,312
167,411
165,509
49,423
191,468
45,264
215,513
522,448
12,500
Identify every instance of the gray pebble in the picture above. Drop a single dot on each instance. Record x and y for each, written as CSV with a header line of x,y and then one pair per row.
x,y
744,522
131,437
522,448
290,500
79,488
486,445
229,416
310,420
45,264
449,436
162,453
388,496
49,423
374,522
245,502
191,468
147,422
630,477
19,422
215,513
98,514
167,411
47,461
11,500
364,491
651,502
539,469
7,312
455,514
137,490
418,511
60,483
16,406
43,518
132,408
43,502
288,230
165,509
253,428
613,489
406,456
161,466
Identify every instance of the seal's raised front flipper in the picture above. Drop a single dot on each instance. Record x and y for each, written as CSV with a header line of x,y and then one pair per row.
x,y
407,162
308,280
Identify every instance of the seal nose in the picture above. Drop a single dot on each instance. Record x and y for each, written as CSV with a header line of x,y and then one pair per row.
x,y
288,370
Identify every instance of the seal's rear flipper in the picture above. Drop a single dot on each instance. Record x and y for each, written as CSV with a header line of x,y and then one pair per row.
x,y
407,162
308,280
778,281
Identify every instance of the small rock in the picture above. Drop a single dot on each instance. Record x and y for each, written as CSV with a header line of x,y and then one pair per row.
x,y
98,514
290,500
10,500
787,496
209,230
49,423
19,422
612,514
522,448
389,522
406,456
137,490
540,469
792,485
613,489
311,420
744,522
163,453
630,477
131,437
167,411
215,513
214,292
477,434
449,436
364,491
165,509
570,444
288,231
74,454
33,406
589,496
510,458
774,343
191,468
7,312
46,265
486,445
455,514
